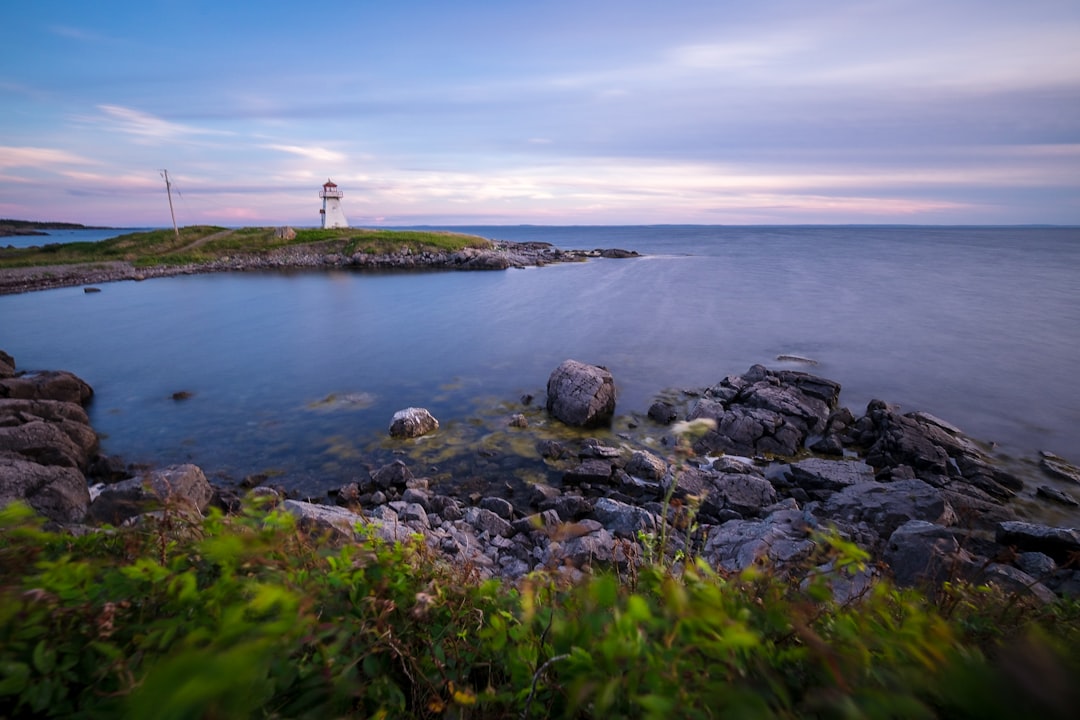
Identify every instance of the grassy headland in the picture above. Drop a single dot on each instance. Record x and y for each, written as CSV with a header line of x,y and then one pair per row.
x,y
198,244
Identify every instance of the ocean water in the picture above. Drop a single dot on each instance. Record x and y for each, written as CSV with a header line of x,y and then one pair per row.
x,y
66,236
298,374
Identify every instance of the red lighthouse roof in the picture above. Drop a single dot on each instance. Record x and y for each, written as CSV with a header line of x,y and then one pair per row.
x,y
329,184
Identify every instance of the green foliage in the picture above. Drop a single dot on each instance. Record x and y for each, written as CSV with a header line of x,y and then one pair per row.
x,y
249,616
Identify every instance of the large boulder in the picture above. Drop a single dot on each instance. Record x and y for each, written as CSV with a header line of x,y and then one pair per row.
x,y
57,492
581,395
51,385
44,443
779,540
1057,542
884,507
412,422
182,488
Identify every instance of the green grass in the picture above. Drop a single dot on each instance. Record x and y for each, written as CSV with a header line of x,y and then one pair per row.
x,y
198,244
250,617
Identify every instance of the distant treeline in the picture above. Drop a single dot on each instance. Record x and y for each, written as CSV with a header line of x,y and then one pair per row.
x,y
32,227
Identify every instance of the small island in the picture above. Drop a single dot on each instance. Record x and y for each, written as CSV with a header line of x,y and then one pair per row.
x,y
207,248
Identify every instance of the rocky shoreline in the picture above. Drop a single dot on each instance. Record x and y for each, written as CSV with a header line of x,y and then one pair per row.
x,y
751,474
502,255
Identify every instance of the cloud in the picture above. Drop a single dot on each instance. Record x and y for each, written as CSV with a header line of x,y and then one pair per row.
x,y
312,153
37,157
149,127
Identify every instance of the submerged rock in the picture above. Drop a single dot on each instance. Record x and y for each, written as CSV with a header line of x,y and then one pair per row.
x,y
412,422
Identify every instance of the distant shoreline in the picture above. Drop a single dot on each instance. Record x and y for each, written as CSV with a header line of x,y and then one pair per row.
x,y
20,228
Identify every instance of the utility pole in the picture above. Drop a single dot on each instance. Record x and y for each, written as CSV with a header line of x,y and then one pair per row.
x,y
168,189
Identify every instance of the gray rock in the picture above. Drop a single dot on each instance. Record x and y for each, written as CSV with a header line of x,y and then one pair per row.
x,y
624,520
747,431
581,395
590,471
1014,581
412,422
884,507
1059,543
57,492
44,443
1036,564
748,495
661,412
50,385
598,549
181,488
1059,467
1063,498
777,540
922,553
644,464
485,521
395,476
335,524
830,475
499,506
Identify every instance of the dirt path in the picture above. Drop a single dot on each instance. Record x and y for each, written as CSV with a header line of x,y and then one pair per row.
x,y
203,241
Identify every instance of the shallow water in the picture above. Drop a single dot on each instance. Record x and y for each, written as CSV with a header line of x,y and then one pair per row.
x,y
299,374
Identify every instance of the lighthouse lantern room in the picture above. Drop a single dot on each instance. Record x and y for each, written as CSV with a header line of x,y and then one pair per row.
x,y
332,216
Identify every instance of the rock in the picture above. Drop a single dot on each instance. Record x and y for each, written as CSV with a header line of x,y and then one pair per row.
x,y
182,488
747,431
57,492
1036,564
623,520
595,549
499,506
485,521
1015,582
69,417
91,290
778,540
747,495
830,475
395,476
796,359
1058,543
581,395
662,413
922,553
590,471
518,420
412,422
1045,491
332,523
7,365
51,385
617,253
44,443
1059,467
284,233
644,464
884,507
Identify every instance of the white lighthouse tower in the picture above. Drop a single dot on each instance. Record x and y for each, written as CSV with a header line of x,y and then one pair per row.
x,y
332,216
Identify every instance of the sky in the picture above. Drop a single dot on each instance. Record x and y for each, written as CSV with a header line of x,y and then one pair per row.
x,y
583,112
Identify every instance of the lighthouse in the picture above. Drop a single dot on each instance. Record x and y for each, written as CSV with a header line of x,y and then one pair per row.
x,y
332,216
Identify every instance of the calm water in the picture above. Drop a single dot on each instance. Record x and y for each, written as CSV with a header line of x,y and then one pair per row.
x,y
980,326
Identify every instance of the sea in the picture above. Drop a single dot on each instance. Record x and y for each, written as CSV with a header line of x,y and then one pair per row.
x,y
297,375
